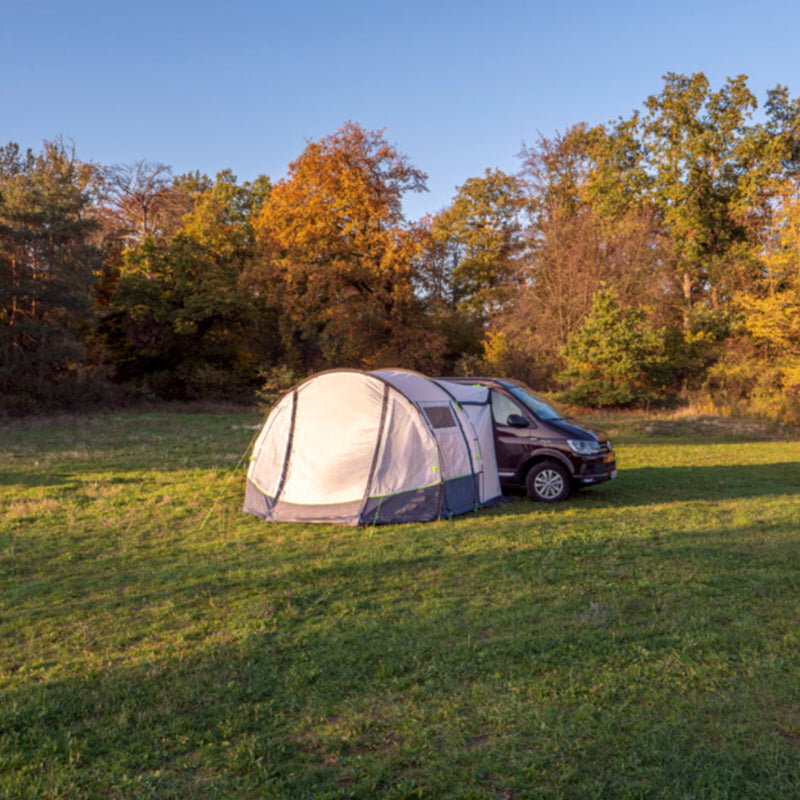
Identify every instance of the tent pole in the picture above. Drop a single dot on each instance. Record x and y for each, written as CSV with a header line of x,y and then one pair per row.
x,y
374,465
289,441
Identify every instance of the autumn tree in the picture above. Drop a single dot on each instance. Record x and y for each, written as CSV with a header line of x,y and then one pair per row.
x,y
670,208
142,201
759,366
333,238
180,322
589,225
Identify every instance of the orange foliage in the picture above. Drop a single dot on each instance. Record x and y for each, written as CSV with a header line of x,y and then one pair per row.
x,y
333,230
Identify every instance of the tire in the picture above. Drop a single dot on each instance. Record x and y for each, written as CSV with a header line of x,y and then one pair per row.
x,y
547,482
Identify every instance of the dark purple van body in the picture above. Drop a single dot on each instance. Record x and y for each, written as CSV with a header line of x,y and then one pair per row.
x,y
539,450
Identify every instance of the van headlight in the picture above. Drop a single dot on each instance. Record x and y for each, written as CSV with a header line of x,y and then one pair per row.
x,y
584,447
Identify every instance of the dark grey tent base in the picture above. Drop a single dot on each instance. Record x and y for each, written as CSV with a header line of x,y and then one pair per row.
x,y
457,496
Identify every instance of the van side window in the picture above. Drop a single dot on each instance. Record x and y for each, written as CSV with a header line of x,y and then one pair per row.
x,y
503,407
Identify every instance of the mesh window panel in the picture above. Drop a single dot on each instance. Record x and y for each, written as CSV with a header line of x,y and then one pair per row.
x,y
440,416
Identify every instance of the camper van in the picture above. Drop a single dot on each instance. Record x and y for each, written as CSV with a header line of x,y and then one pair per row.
x,y
537,449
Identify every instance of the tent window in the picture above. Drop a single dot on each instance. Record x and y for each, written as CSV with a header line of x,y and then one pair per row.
x,y
440,416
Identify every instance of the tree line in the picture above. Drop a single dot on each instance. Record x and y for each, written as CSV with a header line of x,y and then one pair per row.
x,y
651,258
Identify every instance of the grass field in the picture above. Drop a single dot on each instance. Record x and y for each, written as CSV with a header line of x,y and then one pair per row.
x,y
641,640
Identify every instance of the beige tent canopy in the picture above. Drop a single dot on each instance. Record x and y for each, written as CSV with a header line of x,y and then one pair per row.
x,y
363,448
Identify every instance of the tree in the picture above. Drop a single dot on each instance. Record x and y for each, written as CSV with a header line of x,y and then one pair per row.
x,y
180,321
671,208
482,231
175,320
759,368
590,225
223,213
615,359
46,270
142,200
704,156
333,237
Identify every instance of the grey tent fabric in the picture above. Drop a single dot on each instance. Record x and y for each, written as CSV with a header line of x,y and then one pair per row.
x,y
359,448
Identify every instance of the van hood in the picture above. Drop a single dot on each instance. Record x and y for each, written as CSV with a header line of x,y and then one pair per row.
x,y
572,430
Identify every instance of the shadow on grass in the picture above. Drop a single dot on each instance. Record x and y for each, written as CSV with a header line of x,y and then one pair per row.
x,y
66,480
647,485
640,486
483,678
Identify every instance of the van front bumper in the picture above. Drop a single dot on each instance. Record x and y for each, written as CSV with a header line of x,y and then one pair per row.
x,y
596,472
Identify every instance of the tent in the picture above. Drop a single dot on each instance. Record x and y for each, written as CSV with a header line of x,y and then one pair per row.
x,y
363,448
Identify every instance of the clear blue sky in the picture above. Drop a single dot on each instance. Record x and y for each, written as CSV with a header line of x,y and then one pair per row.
x,y
458,86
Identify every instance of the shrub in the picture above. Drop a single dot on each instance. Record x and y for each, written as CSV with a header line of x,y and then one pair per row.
x,y
615,359
276,381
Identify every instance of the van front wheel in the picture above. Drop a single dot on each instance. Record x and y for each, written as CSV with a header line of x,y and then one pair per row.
x,y
547,482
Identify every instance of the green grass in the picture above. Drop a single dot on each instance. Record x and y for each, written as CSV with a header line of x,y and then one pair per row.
x,y
641,640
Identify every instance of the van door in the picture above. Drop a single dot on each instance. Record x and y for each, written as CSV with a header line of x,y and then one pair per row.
x,y
512,443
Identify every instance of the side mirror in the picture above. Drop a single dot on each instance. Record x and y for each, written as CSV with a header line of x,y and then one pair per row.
x,y
517,421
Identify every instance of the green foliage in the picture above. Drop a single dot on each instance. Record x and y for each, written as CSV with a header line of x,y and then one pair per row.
x,y
684,208
687,208
615,359
180,321
483,229
713,171
276,381
173,318
638,641
46,261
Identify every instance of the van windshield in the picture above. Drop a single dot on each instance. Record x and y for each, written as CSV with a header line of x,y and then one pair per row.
x,y
541,408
